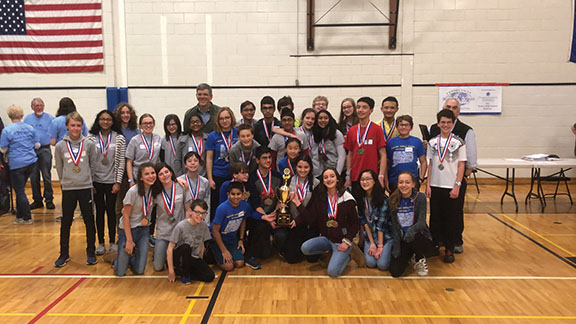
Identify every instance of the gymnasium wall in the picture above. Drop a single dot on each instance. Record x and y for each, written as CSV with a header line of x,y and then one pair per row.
x,y
248,49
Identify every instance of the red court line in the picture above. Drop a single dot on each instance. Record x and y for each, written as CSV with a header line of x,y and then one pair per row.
x,y
43,274
37,269
54,303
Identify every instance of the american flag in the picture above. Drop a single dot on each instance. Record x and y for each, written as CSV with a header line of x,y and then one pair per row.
x,y
51,36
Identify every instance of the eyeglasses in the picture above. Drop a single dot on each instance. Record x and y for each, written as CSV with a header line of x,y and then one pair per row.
x,y
267,108
248,110
366,179
199,213
224,118
404,125
347,107
287,120
320,104
194,122
147,124
105,119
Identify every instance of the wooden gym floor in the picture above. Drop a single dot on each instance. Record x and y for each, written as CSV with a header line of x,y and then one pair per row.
x,y
516,268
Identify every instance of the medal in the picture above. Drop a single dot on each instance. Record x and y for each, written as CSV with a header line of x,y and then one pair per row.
x,y
171,219
198,145
104,147
146,204
193,192
360,151
332,210
105,161
324,157
268,201
75,157
227,144
267,189
388,136
144,222
322,150
169,201
246,194
227,158
442,154
149,147
362,139
268,131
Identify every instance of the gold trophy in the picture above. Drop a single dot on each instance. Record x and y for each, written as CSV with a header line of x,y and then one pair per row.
x,y
283,216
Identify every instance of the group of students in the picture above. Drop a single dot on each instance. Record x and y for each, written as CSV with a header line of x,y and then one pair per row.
x,y
215,184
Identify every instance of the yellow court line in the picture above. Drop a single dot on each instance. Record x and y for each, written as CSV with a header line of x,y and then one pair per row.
x,y
540,236
117,315
192,303
397,316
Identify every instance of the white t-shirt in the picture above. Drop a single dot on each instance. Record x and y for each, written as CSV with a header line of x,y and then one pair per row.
x,y
445,176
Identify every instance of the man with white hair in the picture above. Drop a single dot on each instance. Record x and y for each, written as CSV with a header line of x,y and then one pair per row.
x,y
467,133
41,121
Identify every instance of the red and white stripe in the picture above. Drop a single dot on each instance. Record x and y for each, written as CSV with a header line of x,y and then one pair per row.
x,y
63,36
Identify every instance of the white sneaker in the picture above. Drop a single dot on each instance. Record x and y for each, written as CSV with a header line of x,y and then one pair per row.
x,y
421,267
114,248
100,250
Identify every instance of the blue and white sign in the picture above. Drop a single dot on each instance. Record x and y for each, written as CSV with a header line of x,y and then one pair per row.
x,y
474,99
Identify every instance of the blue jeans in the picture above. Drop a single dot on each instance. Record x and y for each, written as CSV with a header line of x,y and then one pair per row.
x,y
44,166
160,248
18,177
320,245
383,262
139,254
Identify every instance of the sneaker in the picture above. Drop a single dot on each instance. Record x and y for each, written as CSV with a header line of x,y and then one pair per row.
x,y
36,205
185,280
61,261
58,219
421,267
358,256
436,251
101,249
27,221
18,221
251,262
151,241
91,260
114,248
448,257
458,249
50,205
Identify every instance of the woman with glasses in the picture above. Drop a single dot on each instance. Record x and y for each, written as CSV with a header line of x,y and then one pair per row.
x,y
107,173
348,116
172,131
193,141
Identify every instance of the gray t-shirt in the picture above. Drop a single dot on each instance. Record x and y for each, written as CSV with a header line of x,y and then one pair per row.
x,y
330,147
200,188
164,222
107,167
193,235
137,152
135,200
249,158
278,143
169,150
186,144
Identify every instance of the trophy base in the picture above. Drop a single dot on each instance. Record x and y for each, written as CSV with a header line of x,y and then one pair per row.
x,y
283,219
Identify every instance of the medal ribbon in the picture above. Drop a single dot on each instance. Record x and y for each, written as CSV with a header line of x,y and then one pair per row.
x,y
75,157
198,145
267,189
193,193
146,202
290,167
249,158
323,147
172,146
368,210
228,142
442,154
363,139
301,190
149,147
268,131
348,126
169,202
332,206
392,128
104,148
309,135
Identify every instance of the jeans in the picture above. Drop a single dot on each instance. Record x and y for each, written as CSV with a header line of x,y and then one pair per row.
x,y
69,200
139,254
105,202
18,177
44,166
160,254
321,244
383,262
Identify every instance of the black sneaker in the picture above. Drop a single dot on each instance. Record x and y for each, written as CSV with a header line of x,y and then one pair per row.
x,y
448,257
50,205
36,205
91,260
251,262
61,261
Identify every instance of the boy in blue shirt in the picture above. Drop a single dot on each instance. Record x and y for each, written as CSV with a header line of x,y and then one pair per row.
x,y
228,228
404,152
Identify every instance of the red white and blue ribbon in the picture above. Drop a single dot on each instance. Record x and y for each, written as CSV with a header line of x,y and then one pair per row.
x,y
249,158
388,135
172,147
149,147
323,147
75,157
199,146
332,206
367,210
227,142
362,139
104,147
169,201
268,131
290,167
193,192
442,154
301,189
267,189
146,202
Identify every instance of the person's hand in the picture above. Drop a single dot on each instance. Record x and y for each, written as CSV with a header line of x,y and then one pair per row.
x,y
132,183
295,200
227,257
292,224
183,183
468,172
171,276
378,253
241,246
115,188
270,218
212,184
372,250
428,190
129,247
454,192
347,183
343,247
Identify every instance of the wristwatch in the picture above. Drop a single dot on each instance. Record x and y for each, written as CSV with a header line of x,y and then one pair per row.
x,y
347,241
458,183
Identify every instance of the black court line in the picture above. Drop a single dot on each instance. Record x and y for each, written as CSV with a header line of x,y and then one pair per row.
x,y
197,297
210,307
567,261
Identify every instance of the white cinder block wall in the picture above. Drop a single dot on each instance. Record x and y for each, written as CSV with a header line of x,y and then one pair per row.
x,y
248,49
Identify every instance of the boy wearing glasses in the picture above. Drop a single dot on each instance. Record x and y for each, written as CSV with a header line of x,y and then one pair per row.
x,y
186,248
404,152
247,110
263,129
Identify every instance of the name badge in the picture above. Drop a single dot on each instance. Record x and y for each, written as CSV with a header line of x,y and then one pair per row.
x,y
409,149
370,142
142,147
